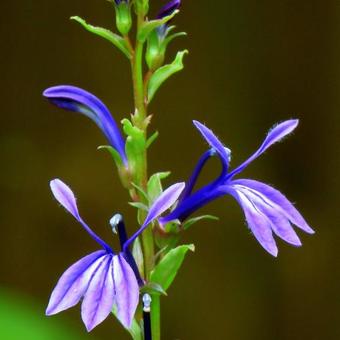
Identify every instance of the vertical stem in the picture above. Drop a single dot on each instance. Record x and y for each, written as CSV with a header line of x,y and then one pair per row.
x,y
139,120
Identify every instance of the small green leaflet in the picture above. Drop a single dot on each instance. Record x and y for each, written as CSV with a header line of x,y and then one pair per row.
x,y
187,224
114,38
153,288
114,153
151,139
166,270
137,254
164,72
155,185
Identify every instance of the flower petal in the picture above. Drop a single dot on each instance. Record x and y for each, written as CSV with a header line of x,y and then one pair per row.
x,y
214,142
274,135
73,284
127,290
279,221
166,199
100,295
277,199
78,100
258,223
64,195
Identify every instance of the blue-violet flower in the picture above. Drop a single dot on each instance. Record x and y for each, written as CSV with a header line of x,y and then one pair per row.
x,y
266,209
103,279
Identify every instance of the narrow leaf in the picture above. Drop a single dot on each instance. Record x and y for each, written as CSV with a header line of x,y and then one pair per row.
x,y
137,254
141,191
187,224
151,139
115,39
114,153
139,205
153,288
164,72
166,270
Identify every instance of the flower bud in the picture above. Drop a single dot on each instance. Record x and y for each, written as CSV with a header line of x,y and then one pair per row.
x,y
141,7
123,16
154,52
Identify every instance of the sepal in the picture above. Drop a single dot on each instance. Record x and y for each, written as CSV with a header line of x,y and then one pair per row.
x,y
153,288
115,39
141,7
163,73
123,172
188,223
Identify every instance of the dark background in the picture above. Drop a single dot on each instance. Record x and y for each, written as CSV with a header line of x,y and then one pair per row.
x,y
251,64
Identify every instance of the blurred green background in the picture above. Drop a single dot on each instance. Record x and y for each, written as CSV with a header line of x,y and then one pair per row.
x,y
251,64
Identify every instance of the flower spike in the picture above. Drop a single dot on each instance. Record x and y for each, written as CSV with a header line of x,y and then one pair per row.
x,y
78,100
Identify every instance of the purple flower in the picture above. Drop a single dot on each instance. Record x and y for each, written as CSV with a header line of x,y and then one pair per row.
x,y
78,100
169,8
103,279
266,210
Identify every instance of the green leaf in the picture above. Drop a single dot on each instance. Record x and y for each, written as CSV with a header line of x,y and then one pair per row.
x,y
164,72
115,39
153,288
155,185
151,139
187,224
166,270
137,254
149,26
135,147
139,205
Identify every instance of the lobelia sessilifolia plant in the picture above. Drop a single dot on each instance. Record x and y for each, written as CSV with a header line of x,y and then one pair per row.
x,y
129,284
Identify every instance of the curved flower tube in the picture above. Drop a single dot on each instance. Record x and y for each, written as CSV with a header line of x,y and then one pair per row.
x,y
266,210
78,100
103,279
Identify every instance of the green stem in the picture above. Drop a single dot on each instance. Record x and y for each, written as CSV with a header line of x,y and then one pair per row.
x,y
139,120
156,317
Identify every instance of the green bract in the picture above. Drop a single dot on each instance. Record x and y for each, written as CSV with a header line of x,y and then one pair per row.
x,y
166,270
163,73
